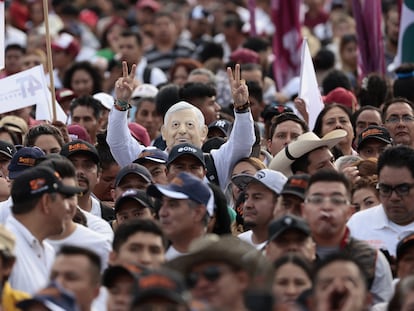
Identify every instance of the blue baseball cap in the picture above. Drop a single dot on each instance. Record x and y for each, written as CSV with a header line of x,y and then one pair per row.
x,y
24,158
183,186
54,297
152,154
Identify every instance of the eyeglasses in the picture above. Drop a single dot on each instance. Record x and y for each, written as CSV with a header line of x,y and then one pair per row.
x,y
210,273
397,119
333,199
401,189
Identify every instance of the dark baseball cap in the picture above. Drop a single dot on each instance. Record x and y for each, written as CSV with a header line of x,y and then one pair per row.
x,y
136,195
133,168
183,186
296,185
223,125
23,159
38,180
287,222
79,146
186,149
374,132
152,154
161,284
7,149
113,272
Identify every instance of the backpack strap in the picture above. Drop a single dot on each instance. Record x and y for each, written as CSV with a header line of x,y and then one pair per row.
x,y
211,169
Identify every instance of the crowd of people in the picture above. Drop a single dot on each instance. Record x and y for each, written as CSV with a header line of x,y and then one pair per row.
x,y
186,179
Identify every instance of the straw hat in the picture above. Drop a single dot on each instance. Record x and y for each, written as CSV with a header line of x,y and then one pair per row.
x,y
305,143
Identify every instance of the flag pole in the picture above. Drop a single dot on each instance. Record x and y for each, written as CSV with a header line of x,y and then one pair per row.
x,y
49,58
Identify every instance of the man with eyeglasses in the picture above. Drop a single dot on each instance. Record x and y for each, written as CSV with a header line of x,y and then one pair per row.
x,y
219,271
386,224
327,209
398,118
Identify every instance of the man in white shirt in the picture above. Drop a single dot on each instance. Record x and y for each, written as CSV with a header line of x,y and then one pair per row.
x,y
261,193
40,209
384,225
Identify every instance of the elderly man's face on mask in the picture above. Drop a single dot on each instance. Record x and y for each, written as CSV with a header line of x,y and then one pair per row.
x,y
183,127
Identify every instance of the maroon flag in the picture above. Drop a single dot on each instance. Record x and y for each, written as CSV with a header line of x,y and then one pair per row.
x,y
368,19
287,40
251,4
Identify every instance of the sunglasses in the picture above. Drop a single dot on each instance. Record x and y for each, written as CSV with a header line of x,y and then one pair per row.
x,y
210,273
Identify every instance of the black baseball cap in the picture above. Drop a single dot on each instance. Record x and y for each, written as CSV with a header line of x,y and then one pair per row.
x,y
136,169
287,222
374,132
186,149
296,185
7,149
79,146
38,180
137,195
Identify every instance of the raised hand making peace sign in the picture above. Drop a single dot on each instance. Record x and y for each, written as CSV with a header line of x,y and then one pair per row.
x,y
238,88
125,85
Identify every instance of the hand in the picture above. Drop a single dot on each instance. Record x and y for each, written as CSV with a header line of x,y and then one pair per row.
x,y
352,173
301,107
126,84
238,87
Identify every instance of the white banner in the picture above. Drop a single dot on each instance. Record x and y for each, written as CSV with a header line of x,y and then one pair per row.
x,y
28,88
309,89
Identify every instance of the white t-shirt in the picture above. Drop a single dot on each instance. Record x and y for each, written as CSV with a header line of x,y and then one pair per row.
x,y
172,253
86,238
99,225
248,237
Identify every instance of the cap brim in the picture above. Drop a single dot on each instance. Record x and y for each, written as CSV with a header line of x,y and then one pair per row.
x,y
112,272
152,159
276,235
185,153
126,198
374,138
157,293
306,142
69,190
27,303
6,154
158,191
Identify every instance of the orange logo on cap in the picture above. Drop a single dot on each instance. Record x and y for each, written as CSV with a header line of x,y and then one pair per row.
x,y
26,161
299,183
156,281
78,146
37,183
372,132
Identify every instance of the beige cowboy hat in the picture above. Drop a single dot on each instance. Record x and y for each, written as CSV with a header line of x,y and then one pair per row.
x,y
305,143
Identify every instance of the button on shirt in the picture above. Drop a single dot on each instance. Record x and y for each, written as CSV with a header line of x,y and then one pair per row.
x,y
34,259
373,226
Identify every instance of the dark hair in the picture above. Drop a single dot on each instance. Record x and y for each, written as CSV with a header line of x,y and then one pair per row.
x,y
60,164
210,50
255,90
232,19
106,159
25,207
394,101
397,156
87,101
329,175
90,69
335,78
223,222
125,230
404,84
317,129
295,259
192,91
94,259
286,116
301,164
324,59
43,129
257,44
356,114
166,97
128,33
339,256
403,288
14,46
373,91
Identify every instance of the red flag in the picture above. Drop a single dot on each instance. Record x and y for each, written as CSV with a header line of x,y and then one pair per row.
x,y
251,4
368,19
287,40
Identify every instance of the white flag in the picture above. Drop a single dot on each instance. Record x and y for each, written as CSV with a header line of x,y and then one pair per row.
x,y
309,89
28,88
